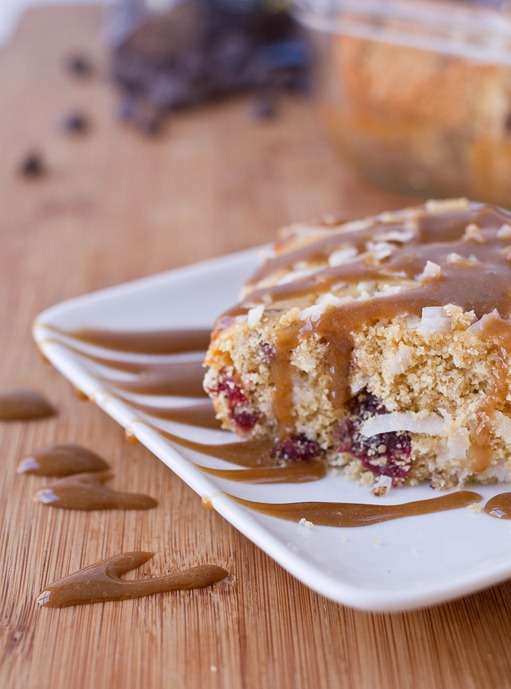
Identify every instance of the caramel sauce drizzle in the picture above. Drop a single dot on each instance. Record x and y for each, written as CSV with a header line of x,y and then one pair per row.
x,y
178,379
347,514
62,459
24,405
88,492
159,378
201,415
246,453
145,342
102,582
298,472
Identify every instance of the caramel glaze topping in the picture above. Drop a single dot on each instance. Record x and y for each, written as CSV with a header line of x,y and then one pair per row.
x,y
347,514
463,240
88,492
102,582
62,459
24,405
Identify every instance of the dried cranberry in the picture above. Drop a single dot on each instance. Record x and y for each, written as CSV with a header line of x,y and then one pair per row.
x,y
239,409
268,351
297,448
385,454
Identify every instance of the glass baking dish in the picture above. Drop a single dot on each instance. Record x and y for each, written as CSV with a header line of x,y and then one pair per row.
x,y
416,94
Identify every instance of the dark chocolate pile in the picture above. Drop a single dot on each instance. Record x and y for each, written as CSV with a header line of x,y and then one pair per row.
x,y
203,50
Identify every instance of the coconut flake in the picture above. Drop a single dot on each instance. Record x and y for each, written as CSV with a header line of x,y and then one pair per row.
x,y
445,205
401,236
431,271
402,421
343,255
504,231
484,321
295,275
313,312
457,443
388,290
380,250
434,320
400,361
329,299
473,233
502,426
254,315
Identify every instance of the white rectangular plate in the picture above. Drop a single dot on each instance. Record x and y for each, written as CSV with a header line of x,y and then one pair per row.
x,y
391,566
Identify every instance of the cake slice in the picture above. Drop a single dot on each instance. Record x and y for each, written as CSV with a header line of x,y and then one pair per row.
x,y
381,345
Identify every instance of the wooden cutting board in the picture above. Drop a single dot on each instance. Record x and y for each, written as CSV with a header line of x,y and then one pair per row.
x,y
114,206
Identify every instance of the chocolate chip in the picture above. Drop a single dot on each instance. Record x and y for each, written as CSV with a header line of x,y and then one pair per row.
x,y
32,165
264,108
204,50
76,123
79,66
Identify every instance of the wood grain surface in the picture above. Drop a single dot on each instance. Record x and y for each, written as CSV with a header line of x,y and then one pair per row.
x,y
115,206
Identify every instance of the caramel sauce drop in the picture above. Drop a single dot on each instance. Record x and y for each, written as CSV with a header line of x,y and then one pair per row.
x,y
346,514
81,394
102,582
130,436
206,502
24,405
62,459
499,506
88,492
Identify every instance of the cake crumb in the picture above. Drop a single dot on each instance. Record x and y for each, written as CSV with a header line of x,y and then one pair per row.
x,y
382,486
475,507
305,523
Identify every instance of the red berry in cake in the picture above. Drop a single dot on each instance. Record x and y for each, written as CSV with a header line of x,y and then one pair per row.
x,y
385,454
297,448
239,408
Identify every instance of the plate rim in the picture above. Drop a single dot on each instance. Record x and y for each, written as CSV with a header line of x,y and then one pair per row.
x,y
338,591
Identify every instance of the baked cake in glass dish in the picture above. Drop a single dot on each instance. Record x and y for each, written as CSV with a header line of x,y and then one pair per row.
x,y
380,345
